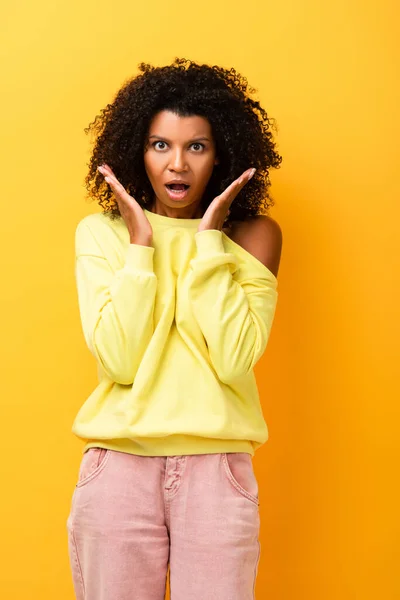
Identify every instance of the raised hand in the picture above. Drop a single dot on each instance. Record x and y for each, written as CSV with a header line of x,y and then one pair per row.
x,y
218,210
138,225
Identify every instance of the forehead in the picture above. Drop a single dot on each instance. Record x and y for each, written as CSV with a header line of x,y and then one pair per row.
x,y
169,124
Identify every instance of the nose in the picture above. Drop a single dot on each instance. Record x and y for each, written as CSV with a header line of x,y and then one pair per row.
x,y
177,162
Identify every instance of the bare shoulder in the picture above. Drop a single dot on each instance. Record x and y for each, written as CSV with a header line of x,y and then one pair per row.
x,y
262,237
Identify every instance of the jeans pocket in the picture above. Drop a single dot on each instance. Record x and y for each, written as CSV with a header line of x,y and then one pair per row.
x,y
92,463
240,472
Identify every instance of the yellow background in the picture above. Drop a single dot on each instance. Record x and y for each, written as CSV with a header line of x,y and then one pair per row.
x,y
328,476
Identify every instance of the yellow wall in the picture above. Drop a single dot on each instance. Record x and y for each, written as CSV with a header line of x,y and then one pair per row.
x,y
328,476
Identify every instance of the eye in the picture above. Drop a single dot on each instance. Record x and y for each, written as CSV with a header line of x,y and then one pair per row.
x,y
154,144
198,144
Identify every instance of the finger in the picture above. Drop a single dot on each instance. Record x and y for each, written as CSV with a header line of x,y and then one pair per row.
x,y
105,170
234,188
116,185
110,178
247,175
120,193
242,180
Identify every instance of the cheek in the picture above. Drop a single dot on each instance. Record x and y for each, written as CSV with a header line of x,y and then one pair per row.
x,y
151,166
205,171
147,158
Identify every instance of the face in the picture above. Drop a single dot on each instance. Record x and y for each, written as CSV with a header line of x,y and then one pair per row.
x,y
179,149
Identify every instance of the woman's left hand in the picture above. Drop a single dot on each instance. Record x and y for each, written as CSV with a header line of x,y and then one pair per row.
x,y
218,210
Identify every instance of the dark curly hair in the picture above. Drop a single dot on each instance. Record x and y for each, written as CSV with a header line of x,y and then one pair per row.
x,y
240,126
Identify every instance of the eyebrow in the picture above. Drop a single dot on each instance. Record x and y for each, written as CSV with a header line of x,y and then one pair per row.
x,y
167,140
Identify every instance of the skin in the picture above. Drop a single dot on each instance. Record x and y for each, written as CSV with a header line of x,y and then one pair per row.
x,y
179,148
183,148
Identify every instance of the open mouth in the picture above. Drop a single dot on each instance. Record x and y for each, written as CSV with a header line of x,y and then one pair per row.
x,y
177,190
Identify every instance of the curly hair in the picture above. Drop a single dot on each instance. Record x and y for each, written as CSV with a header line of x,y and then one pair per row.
x,y
240,126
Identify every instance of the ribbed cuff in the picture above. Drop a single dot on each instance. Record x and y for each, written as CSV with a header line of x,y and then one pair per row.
x,y
209,241
140,257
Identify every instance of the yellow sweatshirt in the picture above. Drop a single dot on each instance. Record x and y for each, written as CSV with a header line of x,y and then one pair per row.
x,y
176,329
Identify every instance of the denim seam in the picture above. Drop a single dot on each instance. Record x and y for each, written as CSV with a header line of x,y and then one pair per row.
x,y
172,494
166,501
78,564
256,569
235,483
96,472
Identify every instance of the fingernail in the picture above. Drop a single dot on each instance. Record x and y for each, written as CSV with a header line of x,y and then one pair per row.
x,y
252,173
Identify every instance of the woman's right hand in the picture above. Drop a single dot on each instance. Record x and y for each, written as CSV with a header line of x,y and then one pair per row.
x,y
138,225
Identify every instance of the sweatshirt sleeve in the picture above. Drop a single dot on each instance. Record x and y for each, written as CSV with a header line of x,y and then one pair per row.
x,y
116,306
236,313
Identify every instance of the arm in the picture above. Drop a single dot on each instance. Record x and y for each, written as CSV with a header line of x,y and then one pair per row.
x,y
234,314
116,306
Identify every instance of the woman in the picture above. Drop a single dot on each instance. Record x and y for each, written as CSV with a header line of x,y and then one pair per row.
x,y
177,290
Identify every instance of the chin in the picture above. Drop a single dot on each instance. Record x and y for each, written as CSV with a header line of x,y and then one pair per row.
x,y
189,200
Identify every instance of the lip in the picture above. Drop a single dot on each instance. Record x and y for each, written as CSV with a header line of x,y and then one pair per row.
x,y
177,195
179,181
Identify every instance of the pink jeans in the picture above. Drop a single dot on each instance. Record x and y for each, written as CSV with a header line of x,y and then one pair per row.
x,y
131,516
